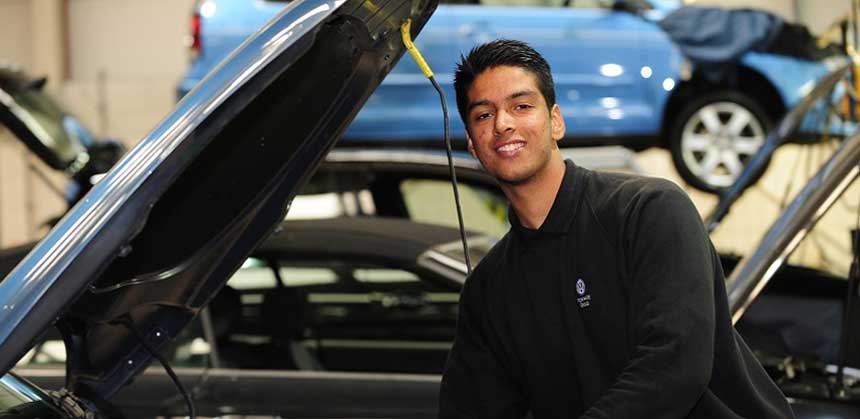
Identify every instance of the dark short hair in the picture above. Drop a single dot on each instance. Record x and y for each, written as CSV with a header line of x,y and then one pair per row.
x,y
496,53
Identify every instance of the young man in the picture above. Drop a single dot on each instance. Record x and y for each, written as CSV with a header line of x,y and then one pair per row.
x,y
606,298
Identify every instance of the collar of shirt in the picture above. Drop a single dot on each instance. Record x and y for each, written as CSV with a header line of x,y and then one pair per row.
x,y
563,209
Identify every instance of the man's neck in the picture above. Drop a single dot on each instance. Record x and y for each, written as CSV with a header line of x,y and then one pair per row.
x,y
533,200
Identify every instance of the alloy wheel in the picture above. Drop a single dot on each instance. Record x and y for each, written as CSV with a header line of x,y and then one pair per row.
x,y
717,141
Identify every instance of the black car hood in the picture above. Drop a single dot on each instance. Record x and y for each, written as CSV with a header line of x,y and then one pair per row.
x,y
155,239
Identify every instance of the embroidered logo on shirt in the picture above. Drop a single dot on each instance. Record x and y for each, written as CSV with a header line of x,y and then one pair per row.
x,y
580,287
584,299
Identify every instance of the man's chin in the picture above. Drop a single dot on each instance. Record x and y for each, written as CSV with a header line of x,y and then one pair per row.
x,y
512,179
510,176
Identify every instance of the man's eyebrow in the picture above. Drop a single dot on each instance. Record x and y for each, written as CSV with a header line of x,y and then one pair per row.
x,y
522,93
476,104
514,95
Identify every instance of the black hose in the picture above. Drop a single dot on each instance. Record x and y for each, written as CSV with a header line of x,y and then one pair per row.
x,y
192,413
453,174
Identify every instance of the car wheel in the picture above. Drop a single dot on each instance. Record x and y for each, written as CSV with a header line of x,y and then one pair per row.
x,y
714,137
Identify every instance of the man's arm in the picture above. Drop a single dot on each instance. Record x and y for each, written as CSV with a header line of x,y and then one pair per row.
x,y
475,383
672,306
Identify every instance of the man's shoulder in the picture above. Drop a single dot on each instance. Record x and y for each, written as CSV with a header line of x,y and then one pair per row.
x,y
616,194
616,202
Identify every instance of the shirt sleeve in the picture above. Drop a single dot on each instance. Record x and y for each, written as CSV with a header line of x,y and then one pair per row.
x,y
475,383
672,271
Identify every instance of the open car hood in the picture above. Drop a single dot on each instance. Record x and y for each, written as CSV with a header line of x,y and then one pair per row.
x,y
155,239
757,268
40,123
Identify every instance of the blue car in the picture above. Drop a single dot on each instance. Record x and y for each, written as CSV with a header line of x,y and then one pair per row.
x,y
620,79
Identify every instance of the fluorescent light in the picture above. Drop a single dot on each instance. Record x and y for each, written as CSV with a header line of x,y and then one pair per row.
x,y
609,102
207,9
611,70
668,84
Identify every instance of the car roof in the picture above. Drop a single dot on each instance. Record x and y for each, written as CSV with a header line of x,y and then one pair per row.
x,y
377,238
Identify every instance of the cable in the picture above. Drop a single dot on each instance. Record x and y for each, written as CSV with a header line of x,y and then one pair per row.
x,y
192,414
406,32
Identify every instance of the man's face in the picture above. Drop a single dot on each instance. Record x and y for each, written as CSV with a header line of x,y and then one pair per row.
x,y
510,129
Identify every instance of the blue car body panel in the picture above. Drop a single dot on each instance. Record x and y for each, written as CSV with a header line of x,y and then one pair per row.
x,y
792,78
614,71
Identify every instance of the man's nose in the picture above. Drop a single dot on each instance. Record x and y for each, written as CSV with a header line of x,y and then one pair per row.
x,y
504,123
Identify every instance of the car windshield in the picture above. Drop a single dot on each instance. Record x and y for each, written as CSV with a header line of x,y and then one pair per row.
x,y
43,117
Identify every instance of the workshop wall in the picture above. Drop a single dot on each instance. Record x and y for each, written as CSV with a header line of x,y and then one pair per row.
x,y
122,75
15,40
118,67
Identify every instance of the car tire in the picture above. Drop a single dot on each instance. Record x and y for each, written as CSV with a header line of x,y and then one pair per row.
x,y
714,136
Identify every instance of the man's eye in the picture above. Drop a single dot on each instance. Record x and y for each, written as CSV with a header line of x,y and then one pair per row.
x,y
522,106
482,116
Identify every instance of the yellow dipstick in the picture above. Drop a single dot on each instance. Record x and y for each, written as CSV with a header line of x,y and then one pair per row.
x,y
406,31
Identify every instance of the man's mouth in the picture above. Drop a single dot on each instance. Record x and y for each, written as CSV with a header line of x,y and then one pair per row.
x,y
509,149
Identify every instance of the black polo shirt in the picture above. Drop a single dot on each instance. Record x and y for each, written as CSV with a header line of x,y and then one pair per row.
x,y
614,308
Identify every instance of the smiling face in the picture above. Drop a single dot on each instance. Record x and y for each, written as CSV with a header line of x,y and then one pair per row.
x,y
510,128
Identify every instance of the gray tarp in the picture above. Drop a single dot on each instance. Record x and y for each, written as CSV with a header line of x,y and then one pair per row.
x,y
712,36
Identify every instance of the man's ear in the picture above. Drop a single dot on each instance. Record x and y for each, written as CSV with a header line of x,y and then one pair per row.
x,y
469,145
557,123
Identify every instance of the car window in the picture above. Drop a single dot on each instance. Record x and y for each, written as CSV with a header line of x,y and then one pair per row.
x,y
373,318
300,276
332,204
431,201
254,273
384,275
335,193
336,315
